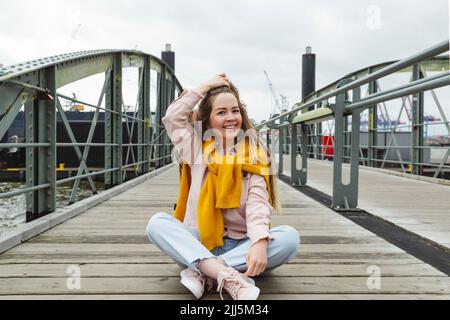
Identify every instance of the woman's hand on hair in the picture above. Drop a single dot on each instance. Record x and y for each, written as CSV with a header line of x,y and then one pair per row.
x,y
194,115
218,81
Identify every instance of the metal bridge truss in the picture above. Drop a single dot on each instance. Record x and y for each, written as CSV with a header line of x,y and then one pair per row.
x,y
34,86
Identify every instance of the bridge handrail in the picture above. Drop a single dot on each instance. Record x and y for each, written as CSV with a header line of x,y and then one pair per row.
x,y
387,70
345,196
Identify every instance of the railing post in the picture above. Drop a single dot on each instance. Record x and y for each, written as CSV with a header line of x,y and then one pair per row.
x,y
164,104
170,97
305,153
164,96
338,192
145,115
345,197
158,116
280,149
417,125
354,152
108,125
117,127
294,171
346,150
318,148
372,128
299,177
41,161
113,124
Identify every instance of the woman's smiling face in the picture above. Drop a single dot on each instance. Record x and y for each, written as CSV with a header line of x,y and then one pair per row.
x,y
226,116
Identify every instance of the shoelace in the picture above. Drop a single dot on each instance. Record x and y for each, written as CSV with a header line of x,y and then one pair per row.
x,y
233,284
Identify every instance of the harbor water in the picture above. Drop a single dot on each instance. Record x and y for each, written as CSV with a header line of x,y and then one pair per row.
x,y
13,210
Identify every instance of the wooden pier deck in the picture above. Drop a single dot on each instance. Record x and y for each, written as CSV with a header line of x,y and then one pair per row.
x,y
109,244
416,203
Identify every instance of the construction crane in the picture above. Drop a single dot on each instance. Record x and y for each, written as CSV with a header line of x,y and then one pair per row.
x,y
276,105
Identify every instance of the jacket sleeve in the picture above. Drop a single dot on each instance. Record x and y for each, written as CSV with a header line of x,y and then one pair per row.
x,y
258,210
176,122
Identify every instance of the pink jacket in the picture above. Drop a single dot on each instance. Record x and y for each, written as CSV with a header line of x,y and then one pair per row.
x,y
252,219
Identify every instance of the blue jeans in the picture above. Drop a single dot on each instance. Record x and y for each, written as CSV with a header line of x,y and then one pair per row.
x,y
183,245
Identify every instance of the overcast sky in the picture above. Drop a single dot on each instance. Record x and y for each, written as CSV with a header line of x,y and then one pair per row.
x,y
241,38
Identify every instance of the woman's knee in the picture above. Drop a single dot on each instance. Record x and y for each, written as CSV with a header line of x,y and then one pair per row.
x,y
156,222
290,239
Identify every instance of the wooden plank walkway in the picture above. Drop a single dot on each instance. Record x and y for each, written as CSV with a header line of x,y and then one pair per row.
x,y
109,244
419,206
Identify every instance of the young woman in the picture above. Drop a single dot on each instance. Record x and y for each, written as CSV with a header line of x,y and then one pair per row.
x,y
220,231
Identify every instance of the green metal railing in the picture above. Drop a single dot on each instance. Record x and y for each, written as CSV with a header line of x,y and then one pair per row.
x,y
33,86
347,142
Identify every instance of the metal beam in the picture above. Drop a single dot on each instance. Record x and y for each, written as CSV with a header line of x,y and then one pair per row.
x,y
113,124
280,149
41,161
144,114
404,90
417,128
138,105
372,128
84,157
11,113
165,92
304,147
81,69
72,138
345,196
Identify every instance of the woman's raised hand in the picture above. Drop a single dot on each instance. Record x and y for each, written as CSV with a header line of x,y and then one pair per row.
x,y
217,81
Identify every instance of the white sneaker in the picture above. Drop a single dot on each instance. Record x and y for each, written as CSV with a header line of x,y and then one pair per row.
x,y
238,285
195,282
